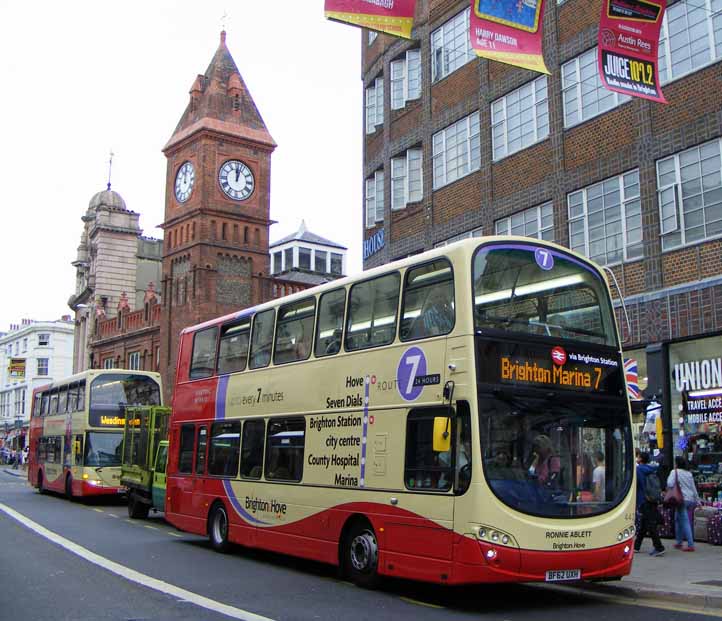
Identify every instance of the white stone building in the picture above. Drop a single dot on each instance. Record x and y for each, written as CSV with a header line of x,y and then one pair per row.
x,y
32,354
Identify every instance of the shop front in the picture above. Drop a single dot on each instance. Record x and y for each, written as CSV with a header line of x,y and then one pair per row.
x,y
696,410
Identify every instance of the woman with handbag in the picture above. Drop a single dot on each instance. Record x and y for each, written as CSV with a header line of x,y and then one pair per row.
x,y
682,494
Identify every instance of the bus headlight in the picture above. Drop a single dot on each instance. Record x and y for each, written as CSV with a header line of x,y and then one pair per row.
x,y
492,535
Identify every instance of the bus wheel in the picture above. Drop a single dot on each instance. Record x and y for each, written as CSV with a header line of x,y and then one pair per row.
x,y
69,487
137,509
218,528
361,556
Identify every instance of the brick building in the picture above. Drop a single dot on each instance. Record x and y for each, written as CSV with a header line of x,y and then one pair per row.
x,y
458,146
134,295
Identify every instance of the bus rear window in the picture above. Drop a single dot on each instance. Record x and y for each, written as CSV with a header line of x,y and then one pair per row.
x,y
533,290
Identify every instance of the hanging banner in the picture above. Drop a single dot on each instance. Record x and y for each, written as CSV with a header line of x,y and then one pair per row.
x,y
509,31
628,42
394,17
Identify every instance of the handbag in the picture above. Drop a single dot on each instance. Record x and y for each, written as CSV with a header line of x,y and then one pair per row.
x,y
673,496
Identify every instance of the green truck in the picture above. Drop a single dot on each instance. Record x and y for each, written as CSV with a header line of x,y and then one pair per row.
x,y
145,455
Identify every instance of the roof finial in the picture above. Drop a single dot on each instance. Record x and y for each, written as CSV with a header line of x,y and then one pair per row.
x,y
224,18
110,166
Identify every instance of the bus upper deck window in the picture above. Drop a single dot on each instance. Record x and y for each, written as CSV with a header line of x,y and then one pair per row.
x,y
262,339
331,309
294,333
233,349
428,307
373,306
203,358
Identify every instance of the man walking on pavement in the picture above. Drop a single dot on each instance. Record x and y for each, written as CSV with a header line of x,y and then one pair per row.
x,y
649,495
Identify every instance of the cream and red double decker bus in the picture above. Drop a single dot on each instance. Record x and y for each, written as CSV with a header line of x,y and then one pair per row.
x,y
459,416
76,430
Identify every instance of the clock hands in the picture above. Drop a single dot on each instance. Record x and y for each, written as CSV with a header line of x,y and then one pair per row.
x,y
238,172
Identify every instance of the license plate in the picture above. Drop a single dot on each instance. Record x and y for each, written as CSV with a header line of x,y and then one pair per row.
x,y
560,575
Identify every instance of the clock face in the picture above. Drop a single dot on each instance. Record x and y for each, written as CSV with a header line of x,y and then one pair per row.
x,y
236,180
184,181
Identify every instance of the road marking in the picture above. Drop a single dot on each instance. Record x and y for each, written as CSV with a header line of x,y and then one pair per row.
x,y
113,515
174,534
132,575
408,600
151,527
99,510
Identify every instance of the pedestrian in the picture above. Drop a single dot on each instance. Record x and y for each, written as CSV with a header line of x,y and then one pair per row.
x,y
683,477
649,494
16,459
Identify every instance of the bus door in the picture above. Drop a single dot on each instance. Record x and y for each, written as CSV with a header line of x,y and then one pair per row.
x,y
199,502
158,485
184,483
425,528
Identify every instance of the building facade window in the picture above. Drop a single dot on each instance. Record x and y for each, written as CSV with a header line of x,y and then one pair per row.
x,y
477,232
605,219
537,222
108,363
42,366
304,258
372,36
320,258
456,150
134,361
43,339
405,79
690,195
406,179
25,344
336,264
520,118
277,262
375,105
451,46
582,91
691,37
375,199
288,259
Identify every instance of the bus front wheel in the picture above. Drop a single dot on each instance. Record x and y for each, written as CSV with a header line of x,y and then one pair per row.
x,y
361,556
218,528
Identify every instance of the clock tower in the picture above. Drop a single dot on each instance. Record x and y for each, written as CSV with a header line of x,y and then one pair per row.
x,y
217,206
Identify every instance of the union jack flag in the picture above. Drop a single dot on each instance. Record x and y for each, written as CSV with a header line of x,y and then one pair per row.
x,y
632,376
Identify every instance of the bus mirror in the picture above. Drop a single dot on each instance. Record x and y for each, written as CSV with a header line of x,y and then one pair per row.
x,y
442,434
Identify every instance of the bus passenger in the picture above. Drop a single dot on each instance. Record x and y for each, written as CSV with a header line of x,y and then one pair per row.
x,y
545,466
599,476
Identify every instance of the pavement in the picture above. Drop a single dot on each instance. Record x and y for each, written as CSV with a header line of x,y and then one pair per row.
x,y
691,579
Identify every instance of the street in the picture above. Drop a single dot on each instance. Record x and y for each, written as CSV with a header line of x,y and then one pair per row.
x,y
159,573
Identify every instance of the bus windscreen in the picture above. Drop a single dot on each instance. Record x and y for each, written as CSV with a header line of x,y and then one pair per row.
x,y
111,393
537,291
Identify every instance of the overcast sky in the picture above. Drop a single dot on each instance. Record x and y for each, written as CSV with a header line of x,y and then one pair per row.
x,y
79,78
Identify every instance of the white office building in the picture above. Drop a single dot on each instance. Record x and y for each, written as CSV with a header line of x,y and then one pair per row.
x,y
32,354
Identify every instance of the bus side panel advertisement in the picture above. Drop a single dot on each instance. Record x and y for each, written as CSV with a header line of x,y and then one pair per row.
x,y
554,367
628,42
394,17
509,31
